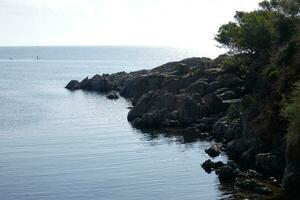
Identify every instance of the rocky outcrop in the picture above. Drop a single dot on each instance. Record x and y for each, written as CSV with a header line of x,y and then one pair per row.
x,y
199,98
175,94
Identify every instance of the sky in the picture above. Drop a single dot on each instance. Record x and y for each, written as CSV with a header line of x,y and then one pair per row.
x,y
181,23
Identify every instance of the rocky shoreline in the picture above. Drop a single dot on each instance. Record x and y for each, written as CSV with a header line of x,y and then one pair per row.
x,y
198,99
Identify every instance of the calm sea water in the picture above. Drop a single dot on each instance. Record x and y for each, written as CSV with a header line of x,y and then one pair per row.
x,y
57,144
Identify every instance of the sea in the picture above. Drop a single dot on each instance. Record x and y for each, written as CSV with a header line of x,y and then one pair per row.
x,y
61,145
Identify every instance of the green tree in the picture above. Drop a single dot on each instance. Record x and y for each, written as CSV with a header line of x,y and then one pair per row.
x,y
257,32
253,32
292,113
289,8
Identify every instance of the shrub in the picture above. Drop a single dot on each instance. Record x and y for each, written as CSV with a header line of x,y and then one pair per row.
x,y
233,64
292,113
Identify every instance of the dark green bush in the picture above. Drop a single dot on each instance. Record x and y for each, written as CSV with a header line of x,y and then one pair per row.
x,y
292,113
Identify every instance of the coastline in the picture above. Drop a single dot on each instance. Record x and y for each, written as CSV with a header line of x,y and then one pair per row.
x,y
199,100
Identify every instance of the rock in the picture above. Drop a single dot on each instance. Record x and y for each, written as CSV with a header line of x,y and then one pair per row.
x,y
247,159
172,85
209,165
73,85
226,173
137,86
213,104
160,105
227,129
214,150
198,86
199,97
230,80
192,134
205,124
227,95
250,173
270,164
112,95
253,185
237,147
189,111
171,123
99,83
213,86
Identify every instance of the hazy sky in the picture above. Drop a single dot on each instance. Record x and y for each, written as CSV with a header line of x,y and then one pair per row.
x,y
187,23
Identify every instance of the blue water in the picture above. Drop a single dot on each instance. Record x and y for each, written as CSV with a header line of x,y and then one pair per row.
x,y
57,144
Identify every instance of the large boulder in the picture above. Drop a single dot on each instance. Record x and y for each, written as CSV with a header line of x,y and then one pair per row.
x,y
227,129
198,86
237,147
99,83
156,108
189,111
136,87
226,173
73,85
248,157
213,104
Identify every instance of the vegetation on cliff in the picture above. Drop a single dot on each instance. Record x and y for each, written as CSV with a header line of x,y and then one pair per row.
x,y
267,42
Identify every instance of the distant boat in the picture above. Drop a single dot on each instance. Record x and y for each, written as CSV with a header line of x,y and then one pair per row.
x,y
37,57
